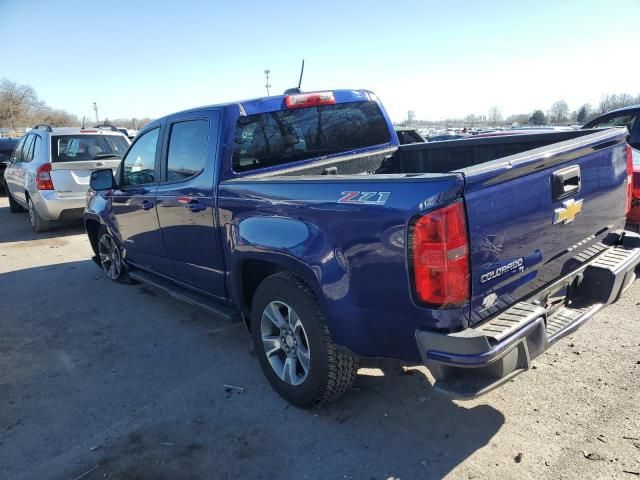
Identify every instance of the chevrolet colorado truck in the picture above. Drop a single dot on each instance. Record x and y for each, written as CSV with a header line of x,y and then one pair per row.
x,y
302,216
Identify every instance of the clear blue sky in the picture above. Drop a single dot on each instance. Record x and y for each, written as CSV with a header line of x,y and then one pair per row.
x,y
440,58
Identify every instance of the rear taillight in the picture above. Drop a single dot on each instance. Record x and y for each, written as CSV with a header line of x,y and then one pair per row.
x,y
43,177
629,178
303,100
439,251
636,186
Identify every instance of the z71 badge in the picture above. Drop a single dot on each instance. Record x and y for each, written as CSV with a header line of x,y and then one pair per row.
x,y
365,198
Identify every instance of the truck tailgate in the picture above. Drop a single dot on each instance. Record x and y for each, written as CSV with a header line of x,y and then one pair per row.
x,y
536,216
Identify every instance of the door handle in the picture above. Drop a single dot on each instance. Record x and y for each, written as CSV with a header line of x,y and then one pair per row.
x,y
146,205
566,182
196,206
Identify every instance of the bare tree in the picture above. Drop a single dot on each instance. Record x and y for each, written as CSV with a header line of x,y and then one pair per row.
x,y
559,112
15,101
470,120
613,101
411,115
495,116
20,107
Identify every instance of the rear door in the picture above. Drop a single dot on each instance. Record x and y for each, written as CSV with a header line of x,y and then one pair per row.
x,y
536,216
74,157
186,203
133,205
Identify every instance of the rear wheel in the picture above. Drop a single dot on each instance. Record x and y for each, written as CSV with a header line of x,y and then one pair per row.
x,y
14,207
110,257
38,224
293,344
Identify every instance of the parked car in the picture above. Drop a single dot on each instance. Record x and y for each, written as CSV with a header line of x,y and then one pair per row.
x,y
6,148
448,136
303,217
626,117
408,135
49,170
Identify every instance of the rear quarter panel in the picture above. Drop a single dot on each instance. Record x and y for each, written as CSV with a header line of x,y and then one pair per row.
x,y
352,255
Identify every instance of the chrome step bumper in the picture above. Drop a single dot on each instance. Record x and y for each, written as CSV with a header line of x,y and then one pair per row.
x,y
474,361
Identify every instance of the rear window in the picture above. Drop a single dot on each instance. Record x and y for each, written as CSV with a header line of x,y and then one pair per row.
x,y
74,148
286,136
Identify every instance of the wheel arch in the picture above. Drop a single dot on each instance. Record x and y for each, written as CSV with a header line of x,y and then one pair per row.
x,y
92,227
250,271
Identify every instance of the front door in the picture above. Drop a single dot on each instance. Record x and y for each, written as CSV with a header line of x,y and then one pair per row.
x,y
186,201
133,205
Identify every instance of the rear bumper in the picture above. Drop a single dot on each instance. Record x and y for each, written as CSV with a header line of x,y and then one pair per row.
x,y
52,207
474,361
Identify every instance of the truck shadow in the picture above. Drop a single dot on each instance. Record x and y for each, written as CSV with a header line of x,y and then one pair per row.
x,y
125,380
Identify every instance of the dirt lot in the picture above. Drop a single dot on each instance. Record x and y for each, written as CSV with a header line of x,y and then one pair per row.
x,y
101,380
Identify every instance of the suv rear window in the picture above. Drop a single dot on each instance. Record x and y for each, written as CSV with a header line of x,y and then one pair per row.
x,y
286,136
75,148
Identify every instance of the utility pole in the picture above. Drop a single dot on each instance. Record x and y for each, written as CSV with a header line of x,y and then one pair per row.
x,y
95,109
267,86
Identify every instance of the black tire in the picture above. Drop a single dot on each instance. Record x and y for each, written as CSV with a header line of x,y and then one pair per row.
x,y
122,275
331,372
14,207
38,224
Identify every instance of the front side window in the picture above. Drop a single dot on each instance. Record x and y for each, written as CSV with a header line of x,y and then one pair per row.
x,y
627,120
75,148
187,155
286,136
140,163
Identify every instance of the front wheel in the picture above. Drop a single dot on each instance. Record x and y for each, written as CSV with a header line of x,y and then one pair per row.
x,y
110,257
294,346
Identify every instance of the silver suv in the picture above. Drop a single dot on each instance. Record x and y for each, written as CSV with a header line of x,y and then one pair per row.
x,y
50,168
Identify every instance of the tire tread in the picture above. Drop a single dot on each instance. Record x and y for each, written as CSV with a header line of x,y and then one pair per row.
x,y
343,367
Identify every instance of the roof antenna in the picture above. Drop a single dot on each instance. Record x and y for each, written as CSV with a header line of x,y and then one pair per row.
x,y
297,89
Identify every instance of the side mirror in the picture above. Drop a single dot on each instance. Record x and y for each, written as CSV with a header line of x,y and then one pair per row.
x,y
102,179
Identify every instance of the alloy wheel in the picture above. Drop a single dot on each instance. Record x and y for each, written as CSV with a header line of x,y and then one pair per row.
x,y
285,343
110,257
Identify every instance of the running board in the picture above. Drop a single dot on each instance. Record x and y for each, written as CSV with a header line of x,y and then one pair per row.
x,y
218,309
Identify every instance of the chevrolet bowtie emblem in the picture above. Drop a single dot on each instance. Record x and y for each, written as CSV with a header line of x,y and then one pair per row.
x,y
568,212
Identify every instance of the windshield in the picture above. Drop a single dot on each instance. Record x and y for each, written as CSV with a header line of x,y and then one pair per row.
x,y
74,148
286,136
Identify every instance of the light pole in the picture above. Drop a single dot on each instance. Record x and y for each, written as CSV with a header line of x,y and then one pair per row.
x,y
95,109
267,86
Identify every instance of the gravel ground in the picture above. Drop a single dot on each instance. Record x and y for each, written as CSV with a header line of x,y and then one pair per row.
x,y
102,380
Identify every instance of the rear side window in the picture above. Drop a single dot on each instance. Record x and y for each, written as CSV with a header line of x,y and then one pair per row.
x,y
27,149
286,136
187,155
76,148
17,153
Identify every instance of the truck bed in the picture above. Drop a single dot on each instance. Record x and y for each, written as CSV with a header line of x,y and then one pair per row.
x,y
436,157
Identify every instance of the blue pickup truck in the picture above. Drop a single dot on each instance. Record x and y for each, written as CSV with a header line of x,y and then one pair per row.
x,y
302,216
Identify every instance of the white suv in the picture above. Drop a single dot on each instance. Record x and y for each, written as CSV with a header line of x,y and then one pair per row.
x,y
50,168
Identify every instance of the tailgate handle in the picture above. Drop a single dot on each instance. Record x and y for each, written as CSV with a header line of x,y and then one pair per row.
x,y
566,182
